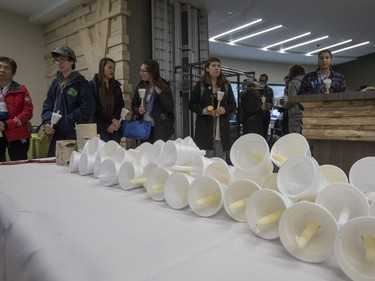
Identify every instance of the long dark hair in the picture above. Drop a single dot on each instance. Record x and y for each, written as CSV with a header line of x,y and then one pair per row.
x,y
295,70
106,96
153,69
206,77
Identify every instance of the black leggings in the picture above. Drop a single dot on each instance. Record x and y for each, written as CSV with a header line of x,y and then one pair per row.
x,y
17,149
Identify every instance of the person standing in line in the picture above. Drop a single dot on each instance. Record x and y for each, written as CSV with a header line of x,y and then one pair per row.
x,y
69,94
314,82
267,94
16,112
158,107
294,109
212,129
108,101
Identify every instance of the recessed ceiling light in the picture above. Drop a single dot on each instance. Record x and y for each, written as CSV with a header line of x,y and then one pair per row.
x,y
304,43
212,39
351,47
286,40
328,47
255,34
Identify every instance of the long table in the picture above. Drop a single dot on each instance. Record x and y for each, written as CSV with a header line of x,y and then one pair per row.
x,y
57,226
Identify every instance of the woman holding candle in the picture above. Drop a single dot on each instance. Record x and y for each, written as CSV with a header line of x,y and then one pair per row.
x,y
324,79
108,100
212,131
157,105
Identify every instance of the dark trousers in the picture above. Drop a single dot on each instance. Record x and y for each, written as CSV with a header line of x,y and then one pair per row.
x,y
17,149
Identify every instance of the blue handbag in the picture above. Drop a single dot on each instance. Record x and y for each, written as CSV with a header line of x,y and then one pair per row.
x,y
135,129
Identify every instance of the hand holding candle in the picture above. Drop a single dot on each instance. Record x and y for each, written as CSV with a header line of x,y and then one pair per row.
x,y
142,93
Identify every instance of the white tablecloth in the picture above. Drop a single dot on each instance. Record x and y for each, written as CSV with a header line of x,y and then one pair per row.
x,y
61,226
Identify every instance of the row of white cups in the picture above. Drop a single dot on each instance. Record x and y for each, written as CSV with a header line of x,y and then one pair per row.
x,y
314,210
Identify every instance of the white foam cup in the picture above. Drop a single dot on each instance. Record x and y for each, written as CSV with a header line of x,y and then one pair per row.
x,y
361,176
124,112
130,175
142,93
143,150
205,196
236,196
176,190
74,161
251,152
109,168
153,155
188,140
220,95
307,231
108,150
156,182
344,201
179,153
93,146
198,165
354,248
372,209
248,174
220,171
86,164
270,182
287,146
300,178
333,173
263,212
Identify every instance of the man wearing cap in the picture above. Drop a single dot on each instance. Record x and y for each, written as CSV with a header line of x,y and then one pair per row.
x,y
69,95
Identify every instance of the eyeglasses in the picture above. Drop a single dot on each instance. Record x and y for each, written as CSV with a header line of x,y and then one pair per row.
x,y
60,60
144,71
5,67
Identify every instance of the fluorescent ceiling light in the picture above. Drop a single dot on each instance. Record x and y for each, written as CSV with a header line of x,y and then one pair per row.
x,y
255,34
351,47
235,29
328,47
287,40
304,43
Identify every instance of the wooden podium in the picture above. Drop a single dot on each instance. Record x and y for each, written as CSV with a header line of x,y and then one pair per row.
x,y
339,126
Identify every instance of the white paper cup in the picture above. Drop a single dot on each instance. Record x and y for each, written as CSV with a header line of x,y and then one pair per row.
x,y
128,173
287,146
176,190
156,182
349,249
293,223
74,161
236,196
300,178
205,196
266,205
344,201
361,175
179,153
333,174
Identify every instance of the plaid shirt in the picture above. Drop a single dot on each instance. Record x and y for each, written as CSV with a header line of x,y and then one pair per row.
x,y
312,84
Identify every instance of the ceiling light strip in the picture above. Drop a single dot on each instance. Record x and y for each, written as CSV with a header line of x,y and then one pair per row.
x,y
328,47
304,43
351,47
287,40
235,29
255,34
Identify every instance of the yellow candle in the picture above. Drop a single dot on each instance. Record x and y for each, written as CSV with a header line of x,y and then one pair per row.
x,y
157,187
308,232
270,219
256,155
235,206
369,245
138,180
214,198
279,158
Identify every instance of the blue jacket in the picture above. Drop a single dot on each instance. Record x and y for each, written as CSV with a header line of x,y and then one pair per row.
x,y
74,101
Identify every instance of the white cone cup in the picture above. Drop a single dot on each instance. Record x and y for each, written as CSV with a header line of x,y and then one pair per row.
x,y
361,175
249,175
344,201
93,146
236,196
108,150
127,173
350,251
124,112
372,209
300,178
220,95
176,190
270,182
86,164
293,223
156,182
143,149
74,161
109,168
206,196
287,146
251,152
188,140
55,118
153,155
220,171
198,165
176,153
142,93
333,174
268,205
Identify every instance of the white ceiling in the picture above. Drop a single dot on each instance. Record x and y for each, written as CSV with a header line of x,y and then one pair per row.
x,y
339,19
